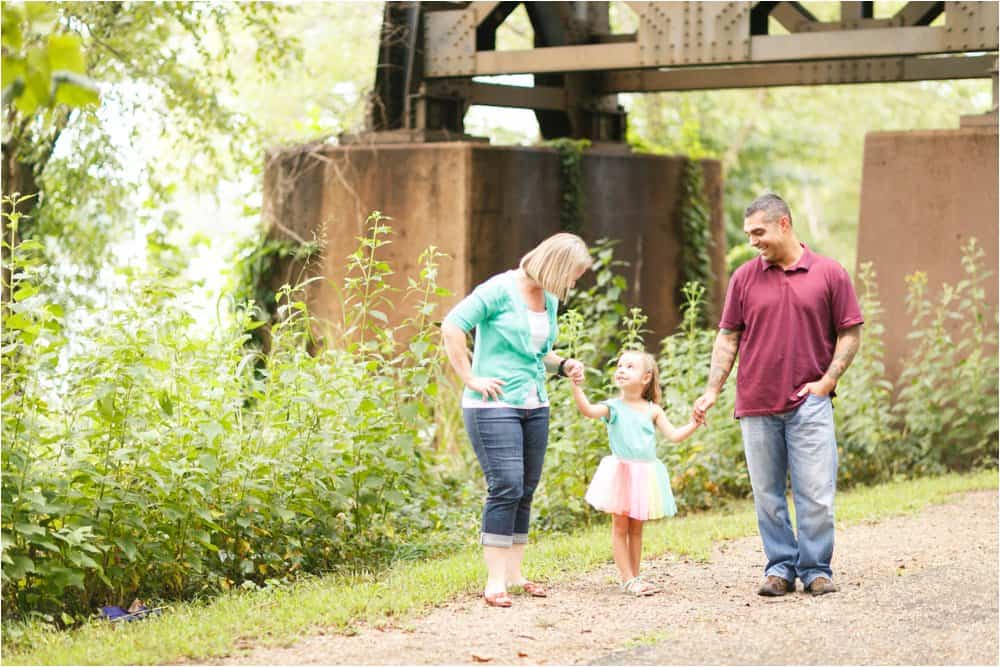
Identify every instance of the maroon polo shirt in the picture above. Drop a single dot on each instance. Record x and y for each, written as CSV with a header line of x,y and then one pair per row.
x,y
790,319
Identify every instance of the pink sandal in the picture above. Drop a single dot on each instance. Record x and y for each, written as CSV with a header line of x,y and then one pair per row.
x,y
501,599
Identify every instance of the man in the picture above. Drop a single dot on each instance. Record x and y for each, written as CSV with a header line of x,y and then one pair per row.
x,y
793,318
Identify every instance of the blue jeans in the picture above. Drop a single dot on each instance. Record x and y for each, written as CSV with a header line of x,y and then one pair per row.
x,y
800,442
510,444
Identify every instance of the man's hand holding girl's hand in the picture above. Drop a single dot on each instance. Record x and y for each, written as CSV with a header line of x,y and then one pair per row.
x,y
704,402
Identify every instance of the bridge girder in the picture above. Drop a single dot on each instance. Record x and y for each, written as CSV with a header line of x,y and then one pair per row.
x,y
425,86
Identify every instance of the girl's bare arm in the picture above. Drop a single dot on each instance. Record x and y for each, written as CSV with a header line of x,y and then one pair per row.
x,y
674,433
586,408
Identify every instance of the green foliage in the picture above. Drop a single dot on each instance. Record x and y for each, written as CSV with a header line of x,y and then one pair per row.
x,y
738,255
43,63
412,588
633,333
571,195
166,67
867,439
257,272
696,236
154,460
368,292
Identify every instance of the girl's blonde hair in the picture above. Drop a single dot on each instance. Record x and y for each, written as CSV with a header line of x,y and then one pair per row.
x,y
651,392
554,262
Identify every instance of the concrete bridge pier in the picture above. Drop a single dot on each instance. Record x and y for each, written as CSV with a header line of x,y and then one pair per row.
x,y
924,194
485,206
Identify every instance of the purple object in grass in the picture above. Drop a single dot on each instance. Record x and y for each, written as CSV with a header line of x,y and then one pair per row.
x,y
138,610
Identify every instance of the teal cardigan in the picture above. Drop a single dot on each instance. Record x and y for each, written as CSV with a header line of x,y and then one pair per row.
x,y
502,349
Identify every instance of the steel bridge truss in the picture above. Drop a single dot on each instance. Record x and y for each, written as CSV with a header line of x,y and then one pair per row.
x,y
432,53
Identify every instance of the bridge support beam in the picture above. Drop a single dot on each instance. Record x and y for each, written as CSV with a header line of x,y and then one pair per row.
x,y
485,206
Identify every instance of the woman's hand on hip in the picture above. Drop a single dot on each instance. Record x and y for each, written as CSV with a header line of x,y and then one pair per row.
x,y
488,387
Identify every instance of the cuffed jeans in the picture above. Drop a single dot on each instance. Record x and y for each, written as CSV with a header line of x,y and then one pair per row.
x,y
510,444
800,442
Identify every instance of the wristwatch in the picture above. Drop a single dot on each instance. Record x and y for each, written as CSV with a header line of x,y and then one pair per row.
x,y
561,372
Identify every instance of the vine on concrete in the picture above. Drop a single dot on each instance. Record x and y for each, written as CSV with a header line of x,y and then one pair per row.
x,y
696,263
571,195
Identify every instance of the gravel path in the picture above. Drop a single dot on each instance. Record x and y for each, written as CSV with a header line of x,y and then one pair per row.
x,y
915,590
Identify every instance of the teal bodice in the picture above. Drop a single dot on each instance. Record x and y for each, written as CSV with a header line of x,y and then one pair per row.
x,y
631,433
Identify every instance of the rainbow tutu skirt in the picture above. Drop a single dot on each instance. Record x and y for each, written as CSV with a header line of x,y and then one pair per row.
x,y
639,489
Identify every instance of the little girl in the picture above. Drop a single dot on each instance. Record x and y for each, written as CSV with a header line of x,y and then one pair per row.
x,y
632,484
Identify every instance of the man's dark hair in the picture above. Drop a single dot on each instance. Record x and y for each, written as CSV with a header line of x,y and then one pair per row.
x,y
773,206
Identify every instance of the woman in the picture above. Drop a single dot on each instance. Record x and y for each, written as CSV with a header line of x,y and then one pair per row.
x,y
505,406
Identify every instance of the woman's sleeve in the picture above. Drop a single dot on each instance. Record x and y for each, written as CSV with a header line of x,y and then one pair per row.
x,y
473,309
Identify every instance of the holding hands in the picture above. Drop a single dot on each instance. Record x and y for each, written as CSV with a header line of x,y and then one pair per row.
x,y
702,405
573,368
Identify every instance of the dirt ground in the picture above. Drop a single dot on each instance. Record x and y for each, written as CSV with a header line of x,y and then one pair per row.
x,y
916,590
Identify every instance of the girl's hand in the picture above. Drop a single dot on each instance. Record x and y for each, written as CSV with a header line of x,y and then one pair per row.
x,y
488,387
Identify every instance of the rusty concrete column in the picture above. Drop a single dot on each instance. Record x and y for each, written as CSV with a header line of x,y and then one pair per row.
x,y
924,194
485,206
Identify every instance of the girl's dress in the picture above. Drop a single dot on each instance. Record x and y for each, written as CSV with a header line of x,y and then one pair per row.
x,y
632,480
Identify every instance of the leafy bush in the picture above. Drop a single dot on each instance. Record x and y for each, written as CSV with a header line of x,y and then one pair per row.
x,y
947,403
156,461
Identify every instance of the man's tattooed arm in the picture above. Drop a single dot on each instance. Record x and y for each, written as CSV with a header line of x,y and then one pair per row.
x,y
723,355
848,342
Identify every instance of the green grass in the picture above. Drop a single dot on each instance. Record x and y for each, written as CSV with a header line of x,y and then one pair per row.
x,y
201,631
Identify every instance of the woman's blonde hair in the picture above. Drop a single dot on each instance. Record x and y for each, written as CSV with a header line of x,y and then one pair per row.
x,y
554,262
650,392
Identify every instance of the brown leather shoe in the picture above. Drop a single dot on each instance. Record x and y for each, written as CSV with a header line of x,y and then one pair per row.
x,y
821,586
775,586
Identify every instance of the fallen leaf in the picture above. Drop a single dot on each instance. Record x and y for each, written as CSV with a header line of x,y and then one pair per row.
x,y
522,654
481,658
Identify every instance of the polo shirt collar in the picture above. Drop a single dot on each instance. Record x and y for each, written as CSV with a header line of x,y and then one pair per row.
x,y
804,263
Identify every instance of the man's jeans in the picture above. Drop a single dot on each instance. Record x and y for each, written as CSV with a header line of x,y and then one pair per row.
x,y
510,444
800,442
